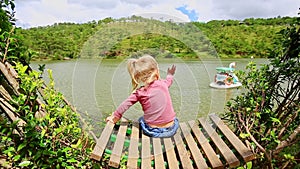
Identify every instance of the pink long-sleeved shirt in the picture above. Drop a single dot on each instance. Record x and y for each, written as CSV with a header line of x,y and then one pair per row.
x,y
155,100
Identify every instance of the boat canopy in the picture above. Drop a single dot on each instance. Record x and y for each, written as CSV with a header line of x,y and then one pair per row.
x,y
224,69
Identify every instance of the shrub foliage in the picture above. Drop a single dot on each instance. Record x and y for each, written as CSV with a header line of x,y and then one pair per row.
x,y
267,115
38,128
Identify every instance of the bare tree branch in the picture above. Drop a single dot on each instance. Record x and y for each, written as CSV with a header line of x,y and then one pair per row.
x,y
286,142
7,43
289,121
254,140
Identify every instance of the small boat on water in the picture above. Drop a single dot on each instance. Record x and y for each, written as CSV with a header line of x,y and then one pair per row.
x,y
225,78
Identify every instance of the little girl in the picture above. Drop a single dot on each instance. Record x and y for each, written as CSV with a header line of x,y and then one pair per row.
x,y
159,119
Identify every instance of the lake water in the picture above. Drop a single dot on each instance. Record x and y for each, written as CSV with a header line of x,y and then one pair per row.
x,y
96,87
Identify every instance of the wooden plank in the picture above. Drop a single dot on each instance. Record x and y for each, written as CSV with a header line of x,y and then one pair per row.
x,y
116,154
4,93
10,112
233,139
146,153
224,149
157,152
182,152
102,141
11,80
11,70
197,156
206,147
171,156
133,151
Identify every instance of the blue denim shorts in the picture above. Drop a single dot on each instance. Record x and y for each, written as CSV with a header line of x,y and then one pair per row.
x,y
159,132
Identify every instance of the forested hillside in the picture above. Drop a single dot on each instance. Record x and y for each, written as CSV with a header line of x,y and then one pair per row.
x,y
111,38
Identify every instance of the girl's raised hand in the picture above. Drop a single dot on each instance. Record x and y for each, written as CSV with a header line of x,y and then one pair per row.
x,y
171,71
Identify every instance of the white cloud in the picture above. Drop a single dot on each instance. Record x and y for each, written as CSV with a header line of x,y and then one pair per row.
x,y
142,3
236,9
48,12
98,4
163,10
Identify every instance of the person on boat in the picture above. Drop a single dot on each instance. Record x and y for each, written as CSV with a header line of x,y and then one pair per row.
x,y
159,119
232,66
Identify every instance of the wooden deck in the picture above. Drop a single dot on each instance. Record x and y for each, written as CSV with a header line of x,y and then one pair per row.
x,y
205,143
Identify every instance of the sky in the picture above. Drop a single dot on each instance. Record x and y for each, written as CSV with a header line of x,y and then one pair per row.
x,y
34,13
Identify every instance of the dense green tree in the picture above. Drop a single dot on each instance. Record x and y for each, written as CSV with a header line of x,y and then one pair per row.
x,y
11,46
231,38
59,41
241,40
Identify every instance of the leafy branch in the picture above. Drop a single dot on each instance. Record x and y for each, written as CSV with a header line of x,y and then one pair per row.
x,y
267,115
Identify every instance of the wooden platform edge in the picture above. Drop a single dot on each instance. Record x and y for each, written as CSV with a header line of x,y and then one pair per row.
x,y
226,152
242,149
102,142
179,152
213,159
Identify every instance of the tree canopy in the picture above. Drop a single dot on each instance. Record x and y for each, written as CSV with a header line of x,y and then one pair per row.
x,y
224,38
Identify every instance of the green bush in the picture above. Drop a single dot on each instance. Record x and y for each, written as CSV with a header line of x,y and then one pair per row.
x,y
267,115
52,136
48,133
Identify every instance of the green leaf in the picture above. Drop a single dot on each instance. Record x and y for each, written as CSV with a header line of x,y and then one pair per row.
x,y
64,164
42,144
257,114
12,5
4,138
21,146
58,130
249,165
9,149
66,149
24,163
244,135
43,132
77,144
29,152
289,156
70,167
272,133
72,160
23,69
275,120
17,157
